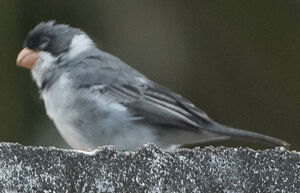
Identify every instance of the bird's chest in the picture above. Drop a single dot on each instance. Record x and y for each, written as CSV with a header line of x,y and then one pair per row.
x,y
58,99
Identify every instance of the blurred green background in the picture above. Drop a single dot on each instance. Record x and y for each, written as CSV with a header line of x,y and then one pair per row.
x,y
238,60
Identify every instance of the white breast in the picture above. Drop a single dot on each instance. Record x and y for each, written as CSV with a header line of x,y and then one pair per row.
x,y
58,99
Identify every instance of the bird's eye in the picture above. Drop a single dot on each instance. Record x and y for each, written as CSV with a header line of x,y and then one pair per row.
x,y
44,43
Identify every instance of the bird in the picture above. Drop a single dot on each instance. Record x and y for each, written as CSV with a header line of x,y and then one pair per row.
x,y
96,99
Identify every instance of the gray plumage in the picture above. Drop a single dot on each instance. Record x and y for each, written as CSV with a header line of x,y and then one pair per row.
x,y
96,99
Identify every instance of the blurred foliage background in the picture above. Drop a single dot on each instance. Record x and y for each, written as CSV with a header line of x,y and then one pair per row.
x,y
238,60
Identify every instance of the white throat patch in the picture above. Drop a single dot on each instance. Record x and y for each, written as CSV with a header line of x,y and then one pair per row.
x,y
43,64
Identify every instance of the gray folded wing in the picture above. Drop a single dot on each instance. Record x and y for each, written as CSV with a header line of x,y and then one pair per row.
x,y
144,98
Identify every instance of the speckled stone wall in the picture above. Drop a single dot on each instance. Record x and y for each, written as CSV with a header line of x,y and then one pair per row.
x,y
148,169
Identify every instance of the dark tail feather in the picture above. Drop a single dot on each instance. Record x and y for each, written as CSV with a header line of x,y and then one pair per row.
x,y
246,135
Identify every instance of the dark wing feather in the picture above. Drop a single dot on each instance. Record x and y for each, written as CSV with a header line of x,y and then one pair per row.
x,y
158,105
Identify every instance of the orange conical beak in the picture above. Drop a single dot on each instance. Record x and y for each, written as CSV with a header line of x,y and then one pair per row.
x,y
27,58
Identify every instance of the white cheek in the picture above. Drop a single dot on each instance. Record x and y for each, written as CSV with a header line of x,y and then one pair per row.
x,y
43,64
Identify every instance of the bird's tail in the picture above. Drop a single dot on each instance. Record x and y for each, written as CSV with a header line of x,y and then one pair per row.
x,y
246,135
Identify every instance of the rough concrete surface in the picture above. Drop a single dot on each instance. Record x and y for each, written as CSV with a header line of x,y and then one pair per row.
x,y
148,169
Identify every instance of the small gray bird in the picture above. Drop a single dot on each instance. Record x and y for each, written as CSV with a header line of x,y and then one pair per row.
x,y
96,99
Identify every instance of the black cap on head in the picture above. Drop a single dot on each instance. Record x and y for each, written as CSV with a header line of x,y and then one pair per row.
x,y
51,37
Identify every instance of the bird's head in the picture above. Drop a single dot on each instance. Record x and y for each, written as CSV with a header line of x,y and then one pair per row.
x,y
49,43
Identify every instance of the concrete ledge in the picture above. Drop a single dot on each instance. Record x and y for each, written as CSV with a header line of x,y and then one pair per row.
x,y
148,169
